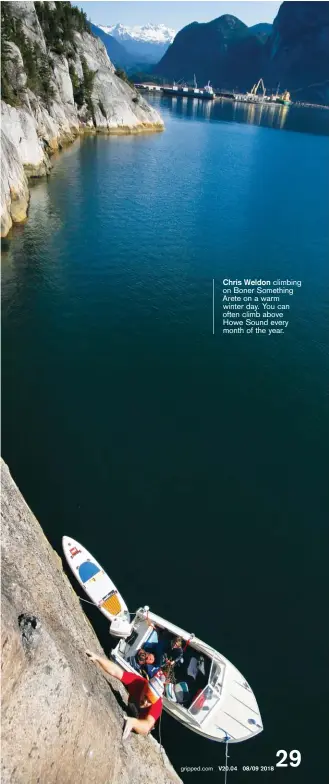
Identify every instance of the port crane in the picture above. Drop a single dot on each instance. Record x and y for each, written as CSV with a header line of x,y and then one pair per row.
x,y
254,89
262,98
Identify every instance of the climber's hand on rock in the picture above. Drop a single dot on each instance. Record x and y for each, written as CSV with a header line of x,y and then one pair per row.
x,y
92,656
128,727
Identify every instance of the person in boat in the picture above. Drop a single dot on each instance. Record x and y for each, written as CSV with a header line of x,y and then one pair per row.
x,y
145,697
146,664
175,655
165,657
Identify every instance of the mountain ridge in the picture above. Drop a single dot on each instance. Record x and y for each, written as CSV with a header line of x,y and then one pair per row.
x,y
293,52
149,32
210,51
117,53
298,50
144,42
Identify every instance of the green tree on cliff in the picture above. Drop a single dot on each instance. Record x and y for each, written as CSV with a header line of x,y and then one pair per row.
x,y
60,23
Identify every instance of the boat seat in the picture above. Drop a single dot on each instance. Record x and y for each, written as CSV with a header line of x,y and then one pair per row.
x,y
177,692
170,692
181,692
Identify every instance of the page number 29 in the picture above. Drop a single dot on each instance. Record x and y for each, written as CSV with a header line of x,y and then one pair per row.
x,y
294,758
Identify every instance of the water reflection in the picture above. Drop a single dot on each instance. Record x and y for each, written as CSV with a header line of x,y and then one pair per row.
x,y
292,118
261,114
29,255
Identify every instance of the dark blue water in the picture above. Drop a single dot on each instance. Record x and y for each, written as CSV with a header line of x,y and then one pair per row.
x,y
193,465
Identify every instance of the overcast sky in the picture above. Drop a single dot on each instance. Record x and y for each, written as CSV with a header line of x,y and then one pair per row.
x,y
176,13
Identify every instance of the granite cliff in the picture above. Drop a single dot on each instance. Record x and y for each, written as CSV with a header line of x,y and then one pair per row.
x,y
57,82
62,720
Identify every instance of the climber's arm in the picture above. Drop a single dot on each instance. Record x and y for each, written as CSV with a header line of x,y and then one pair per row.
x,y
107,665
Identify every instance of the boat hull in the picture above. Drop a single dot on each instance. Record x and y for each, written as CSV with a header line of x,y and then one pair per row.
x,y
204,96
232,716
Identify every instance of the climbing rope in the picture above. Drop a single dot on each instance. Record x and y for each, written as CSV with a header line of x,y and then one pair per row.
x,y
87,602
226,758
162,752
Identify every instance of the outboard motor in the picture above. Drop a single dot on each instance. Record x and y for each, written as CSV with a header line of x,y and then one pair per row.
x,y
121,626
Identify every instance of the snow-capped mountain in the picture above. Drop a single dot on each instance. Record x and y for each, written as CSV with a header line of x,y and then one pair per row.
x,y
149,33
149,41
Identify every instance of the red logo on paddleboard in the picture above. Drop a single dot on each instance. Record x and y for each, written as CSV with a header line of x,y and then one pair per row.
x,y
74,551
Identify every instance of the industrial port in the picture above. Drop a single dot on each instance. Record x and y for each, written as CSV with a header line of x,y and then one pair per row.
x,y
257,95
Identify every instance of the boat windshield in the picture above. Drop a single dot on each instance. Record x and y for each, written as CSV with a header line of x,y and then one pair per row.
x,y
215,677
203,704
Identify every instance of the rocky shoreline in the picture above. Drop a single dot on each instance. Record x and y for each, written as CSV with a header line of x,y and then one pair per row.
x,y
36,127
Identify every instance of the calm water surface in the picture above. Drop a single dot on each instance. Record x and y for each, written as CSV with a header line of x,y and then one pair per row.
x,y
193,466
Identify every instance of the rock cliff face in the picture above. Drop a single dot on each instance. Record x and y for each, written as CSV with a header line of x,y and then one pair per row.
x,y
52,93
14,186
61,719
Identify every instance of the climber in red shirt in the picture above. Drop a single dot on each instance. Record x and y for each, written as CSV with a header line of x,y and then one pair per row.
x,y
145,695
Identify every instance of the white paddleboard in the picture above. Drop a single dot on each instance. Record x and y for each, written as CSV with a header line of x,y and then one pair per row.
x,y
94,581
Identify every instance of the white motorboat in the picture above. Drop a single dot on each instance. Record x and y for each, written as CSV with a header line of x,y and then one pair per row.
x,y
208,695
218,702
